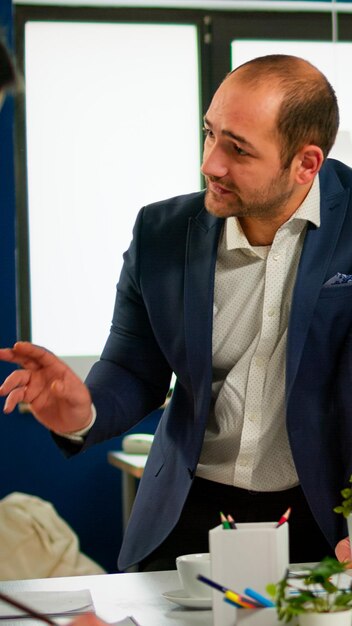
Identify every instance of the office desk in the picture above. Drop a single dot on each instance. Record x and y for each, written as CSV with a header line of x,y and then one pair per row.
x,y
117,595
132,467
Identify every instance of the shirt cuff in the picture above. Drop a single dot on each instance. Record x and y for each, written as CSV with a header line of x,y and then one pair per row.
x,y
78,435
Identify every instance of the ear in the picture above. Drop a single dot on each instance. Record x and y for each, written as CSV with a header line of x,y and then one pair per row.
x,y
309,161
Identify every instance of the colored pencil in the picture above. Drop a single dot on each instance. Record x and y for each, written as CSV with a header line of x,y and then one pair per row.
x,y
233,603
231,521
224,521
212,583
284,518
239,599
258,597
229,593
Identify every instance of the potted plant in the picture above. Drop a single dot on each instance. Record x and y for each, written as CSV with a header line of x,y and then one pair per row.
x,y
313,597
346,507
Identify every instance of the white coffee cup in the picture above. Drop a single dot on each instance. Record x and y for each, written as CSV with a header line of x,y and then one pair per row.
x,y
188,567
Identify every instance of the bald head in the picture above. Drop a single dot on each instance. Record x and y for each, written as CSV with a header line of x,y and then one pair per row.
x,y
282,67
308,112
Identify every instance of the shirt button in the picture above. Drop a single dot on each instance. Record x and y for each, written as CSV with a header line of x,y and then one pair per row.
x,y
252,417
276,257
271,312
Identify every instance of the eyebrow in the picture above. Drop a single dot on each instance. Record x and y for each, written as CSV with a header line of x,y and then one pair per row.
x,y
231,135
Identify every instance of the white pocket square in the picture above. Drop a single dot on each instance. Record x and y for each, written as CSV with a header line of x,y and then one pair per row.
x,y
338,279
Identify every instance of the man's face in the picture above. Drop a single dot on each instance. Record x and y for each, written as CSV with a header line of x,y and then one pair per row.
x,y
241,158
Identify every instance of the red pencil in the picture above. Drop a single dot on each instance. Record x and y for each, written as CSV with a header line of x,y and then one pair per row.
x,y
231,521
284,517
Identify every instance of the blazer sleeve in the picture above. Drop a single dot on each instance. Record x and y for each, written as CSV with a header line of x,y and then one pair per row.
x,y
132,376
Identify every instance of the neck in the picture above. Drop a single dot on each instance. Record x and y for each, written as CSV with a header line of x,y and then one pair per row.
x,y
259,232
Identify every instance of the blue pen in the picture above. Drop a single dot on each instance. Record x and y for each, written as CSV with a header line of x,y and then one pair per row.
x,y
212,583
257,596
219,587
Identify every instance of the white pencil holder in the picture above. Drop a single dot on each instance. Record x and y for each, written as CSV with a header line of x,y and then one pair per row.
x,y
252,555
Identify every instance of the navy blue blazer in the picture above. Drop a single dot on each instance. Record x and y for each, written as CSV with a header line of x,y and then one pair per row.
x,y
162,323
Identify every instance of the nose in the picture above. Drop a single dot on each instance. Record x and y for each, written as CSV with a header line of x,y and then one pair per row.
x,y
214,162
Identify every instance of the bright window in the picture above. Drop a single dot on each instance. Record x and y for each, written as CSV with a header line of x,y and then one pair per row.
x,y
112,117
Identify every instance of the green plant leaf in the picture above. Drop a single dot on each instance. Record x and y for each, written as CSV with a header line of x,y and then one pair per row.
x,y
322,596
343,599
271,590
346,493
338,509
346,507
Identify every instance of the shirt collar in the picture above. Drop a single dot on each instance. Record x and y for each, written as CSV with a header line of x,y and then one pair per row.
x,y
308,211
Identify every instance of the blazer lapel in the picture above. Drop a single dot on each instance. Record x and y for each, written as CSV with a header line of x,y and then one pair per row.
x,y
202,242
317,253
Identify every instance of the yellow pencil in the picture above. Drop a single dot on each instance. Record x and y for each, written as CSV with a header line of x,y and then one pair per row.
x,y
235,597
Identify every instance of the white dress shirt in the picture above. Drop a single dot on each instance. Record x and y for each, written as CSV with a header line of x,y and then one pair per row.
x,y
246,442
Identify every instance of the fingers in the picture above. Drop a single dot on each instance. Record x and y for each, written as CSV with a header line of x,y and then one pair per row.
x,y
19,378
29,356
7,354
14,387
58,388
15,397
26,386
55,394
39,390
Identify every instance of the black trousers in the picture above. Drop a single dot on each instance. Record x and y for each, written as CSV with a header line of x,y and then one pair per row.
x,y
202,512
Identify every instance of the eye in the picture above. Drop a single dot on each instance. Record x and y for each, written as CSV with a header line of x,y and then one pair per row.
x,y
207,132
240,151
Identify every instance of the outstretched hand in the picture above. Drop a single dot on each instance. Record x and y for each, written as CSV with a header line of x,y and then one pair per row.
x,y
55,395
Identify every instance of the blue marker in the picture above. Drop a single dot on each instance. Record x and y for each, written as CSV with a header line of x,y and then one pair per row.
x,y
257,596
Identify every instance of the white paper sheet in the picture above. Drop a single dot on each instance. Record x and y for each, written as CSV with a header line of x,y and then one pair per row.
x,y
49,603
54,603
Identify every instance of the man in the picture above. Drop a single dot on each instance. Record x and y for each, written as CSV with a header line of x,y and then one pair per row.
x,y
244,293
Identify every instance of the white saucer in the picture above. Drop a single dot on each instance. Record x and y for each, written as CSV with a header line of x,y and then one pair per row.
x,y
180,597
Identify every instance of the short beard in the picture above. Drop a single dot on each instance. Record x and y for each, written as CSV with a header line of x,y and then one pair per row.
x,y
267,204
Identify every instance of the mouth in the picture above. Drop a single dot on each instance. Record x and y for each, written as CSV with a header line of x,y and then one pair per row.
x,y
218,189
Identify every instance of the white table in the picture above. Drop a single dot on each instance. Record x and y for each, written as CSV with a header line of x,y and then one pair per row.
x,y
117,595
